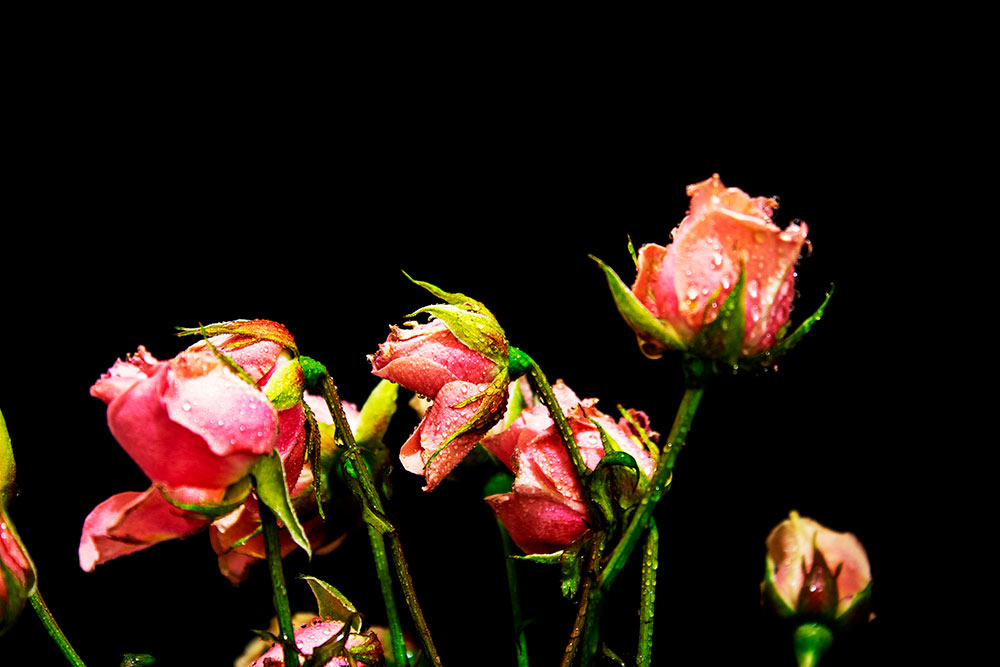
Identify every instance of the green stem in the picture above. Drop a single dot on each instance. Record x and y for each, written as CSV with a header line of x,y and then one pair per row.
x,y
53,628
272,549
657,485
811,641
368,495
588,611
548,398
385,582
647,595
521,644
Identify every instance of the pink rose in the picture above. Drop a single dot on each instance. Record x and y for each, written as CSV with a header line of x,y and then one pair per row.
x,y
195,427
17,574
431,360
685,284
365,648
814,570
545,510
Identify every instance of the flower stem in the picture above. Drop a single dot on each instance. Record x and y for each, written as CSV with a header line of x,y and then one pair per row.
x,y
657,485
368,495
272,548
385,581
647,596
811,642
521,644
548,398
588,612
53,628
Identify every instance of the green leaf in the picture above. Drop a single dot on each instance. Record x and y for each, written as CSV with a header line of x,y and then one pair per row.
x,y
554,558
272,490
500,482
648,328
572,565
137,660
480,333
329,601
376,413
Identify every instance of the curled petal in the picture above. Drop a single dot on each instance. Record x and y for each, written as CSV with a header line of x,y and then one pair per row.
x,y
536,524
129,522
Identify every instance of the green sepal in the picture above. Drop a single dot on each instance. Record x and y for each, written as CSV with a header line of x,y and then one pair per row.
x,y
252,330
771,598
376,414
631,251
236,494
7,468
647,326
453,298
485,416
722,338
330,602
788,342
16,594
285,386
228,362
272,490
470,321
857,612
554,558
369,515
313,371
515,405
609,491
572,565
137,660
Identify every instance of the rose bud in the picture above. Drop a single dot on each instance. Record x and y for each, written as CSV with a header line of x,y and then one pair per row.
x,y
458,360
17,573
196,425
726,243
814,572
546,510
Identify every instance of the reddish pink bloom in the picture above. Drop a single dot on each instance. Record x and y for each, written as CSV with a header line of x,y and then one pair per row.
x,y
319,631
430,360
195,427
545,510
811,568
684,284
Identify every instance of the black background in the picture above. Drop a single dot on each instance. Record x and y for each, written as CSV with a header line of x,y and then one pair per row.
x,y
147,199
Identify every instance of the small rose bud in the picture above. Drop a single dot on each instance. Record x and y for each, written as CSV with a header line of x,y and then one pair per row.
x,y
17,573
814,572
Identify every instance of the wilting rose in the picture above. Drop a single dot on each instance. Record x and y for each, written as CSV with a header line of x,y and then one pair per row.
x,y
545,510
365,648
684,285
812,570
462,383
236,536
195,427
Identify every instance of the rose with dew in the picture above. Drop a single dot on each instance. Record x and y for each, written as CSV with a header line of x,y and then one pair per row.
x,y
815,572
196,425
545,510
364,648
723,288
459,360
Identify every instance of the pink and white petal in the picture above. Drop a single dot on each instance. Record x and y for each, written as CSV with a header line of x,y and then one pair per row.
x,y
538,525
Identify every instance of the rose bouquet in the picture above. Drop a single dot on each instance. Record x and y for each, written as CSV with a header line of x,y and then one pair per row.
x,y
242,446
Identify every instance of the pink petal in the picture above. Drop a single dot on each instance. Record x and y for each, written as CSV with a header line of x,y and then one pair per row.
x,y
537,524
123,374
129,522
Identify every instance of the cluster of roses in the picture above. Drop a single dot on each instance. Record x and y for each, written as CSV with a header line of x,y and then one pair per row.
x,y
198,424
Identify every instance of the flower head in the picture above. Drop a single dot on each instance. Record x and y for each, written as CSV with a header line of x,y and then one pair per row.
x,y
196,425
459,360
17,573
814,571
723,288
546,510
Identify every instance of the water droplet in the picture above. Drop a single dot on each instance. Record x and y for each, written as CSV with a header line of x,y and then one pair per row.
x,y
186,407
759,237
717,259
221,423
692,292
753,288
